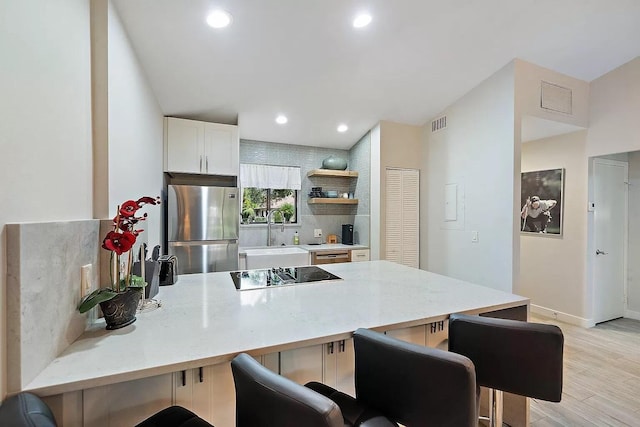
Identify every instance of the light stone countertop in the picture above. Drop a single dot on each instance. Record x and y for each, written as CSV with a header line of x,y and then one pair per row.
x,y
204,320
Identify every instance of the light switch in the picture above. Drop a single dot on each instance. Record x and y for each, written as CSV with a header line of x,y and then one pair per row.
x,y
474,237
85,279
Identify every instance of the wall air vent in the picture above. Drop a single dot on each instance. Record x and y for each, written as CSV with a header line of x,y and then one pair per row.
x,y
439,124
555,98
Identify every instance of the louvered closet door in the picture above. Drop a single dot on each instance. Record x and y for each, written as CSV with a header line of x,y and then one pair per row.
x,y
393,209
403,216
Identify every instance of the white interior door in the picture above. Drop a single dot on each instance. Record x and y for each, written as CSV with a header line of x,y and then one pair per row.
x,y
610,237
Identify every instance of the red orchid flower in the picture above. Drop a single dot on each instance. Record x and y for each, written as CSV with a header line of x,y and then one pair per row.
x,y
147,200
129,208
119,242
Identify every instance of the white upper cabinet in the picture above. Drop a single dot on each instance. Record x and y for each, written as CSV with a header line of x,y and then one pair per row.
x,y
192,146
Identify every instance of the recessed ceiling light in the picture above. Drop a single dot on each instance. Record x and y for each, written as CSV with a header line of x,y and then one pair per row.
x,y
281,119
362,20
343,128
219,19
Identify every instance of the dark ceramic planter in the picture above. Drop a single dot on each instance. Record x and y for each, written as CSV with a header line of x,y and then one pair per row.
x,y
120,310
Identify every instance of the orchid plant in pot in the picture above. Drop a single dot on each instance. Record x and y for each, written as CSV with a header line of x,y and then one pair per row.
x,y
119,301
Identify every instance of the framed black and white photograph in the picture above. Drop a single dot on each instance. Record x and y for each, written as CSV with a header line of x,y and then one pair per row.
x,y
541,201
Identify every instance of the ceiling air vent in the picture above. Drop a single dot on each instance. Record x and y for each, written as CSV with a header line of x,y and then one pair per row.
x,y
555,98
439,124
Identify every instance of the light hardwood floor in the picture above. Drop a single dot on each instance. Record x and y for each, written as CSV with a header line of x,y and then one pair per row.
x,y
601,377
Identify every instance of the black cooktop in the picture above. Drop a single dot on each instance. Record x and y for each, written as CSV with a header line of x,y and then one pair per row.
x,y
271,277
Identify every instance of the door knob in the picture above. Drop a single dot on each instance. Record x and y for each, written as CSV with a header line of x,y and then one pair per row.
x,y
599,252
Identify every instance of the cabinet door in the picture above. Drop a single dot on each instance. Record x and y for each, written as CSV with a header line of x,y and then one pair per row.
x,y
339,366
302,364
346,367
358,255
221,149
438,335
184,145
414,334
127,403
271,361
209,392
223,395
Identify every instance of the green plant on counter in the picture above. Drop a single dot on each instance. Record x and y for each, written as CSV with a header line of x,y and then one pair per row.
x,y
118,241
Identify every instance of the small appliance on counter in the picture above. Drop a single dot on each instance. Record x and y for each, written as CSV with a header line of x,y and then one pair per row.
x,y
168,269
332,238
347,234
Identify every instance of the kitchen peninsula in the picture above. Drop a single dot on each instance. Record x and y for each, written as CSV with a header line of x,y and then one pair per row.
x,y
204,321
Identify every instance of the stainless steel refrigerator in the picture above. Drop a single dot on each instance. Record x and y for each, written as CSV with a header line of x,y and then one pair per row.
x,y
202,227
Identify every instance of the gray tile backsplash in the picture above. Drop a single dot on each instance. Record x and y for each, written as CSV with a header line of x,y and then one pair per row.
x,y
329,218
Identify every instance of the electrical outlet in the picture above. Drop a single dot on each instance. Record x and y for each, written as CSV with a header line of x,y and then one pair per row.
x,y
317,232
85,279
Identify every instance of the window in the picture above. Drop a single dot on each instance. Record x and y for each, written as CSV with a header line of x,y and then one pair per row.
x,y
256,203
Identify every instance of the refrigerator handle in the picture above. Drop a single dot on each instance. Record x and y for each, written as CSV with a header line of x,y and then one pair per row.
x,y
201,163
206,164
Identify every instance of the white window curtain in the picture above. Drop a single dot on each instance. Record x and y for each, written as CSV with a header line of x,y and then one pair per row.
x,y
266,176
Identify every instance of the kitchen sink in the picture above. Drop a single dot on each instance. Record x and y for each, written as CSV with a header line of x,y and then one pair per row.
x,y
276,257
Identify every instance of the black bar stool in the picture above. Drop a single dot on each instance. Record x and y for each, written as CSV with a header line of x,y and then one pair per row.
x,y
28,410
510,355
266,399
408,383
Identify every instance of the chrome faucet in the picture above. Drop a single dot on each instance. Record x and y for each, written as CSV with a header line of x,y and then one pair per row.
x,y
269,214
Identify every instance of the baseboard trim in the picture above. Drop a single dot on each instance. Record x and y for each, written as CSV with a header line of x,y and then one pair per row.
x,y
563,317
630,314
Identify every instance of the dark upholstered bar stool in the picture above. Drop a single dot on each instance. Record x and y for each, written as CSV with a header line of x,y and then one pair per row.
x,y
266,399
28,410
510,355
408,383
174,416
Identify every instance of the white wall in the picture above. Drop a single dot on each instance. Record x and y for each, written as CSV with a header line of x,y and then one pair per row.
x,y
528,86
45,133
477,152
633,254
135,130
614,104
552,269
614,128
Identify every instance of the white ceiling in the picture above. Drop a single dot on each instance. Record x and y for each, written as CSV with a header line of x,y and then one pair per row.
x,y
303,58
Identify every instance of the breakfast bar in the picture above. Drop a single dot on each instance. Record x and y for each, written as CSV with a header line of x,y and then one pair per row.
x,y
204,321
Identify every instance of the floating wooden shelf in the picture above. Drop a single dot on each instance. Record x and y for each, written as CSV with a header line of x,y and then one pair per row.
x,y
332,173
332,201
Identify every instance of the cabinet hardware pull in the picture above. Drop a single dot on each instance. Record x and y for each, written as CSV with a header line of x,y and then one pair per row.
x,y
200,163
330,348
341,346
433,328
441,325
183,374
201,374
206,163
